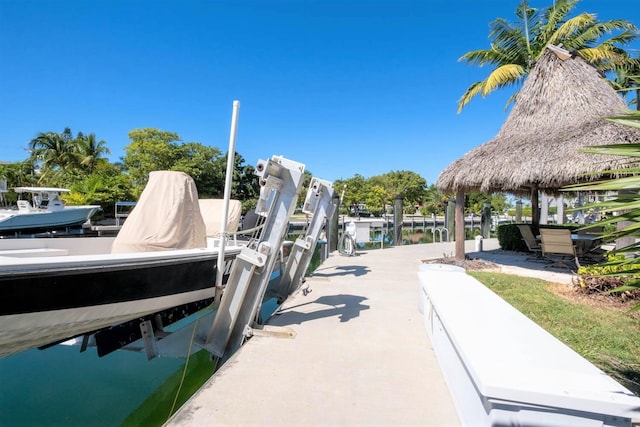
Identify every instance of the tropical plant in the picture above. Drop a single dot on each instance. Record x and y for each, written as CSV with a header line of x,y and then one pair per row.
x,y
150,149
411,186
474,202
515,47
245,186
90,151
380,191
19,174
627,79
52,153
434,201
153,149
353,190
102,189
622,208
60,158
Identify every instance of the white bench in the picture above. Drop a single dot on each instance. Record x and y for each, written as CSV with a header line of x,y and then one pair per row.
x,y
504,369
34,252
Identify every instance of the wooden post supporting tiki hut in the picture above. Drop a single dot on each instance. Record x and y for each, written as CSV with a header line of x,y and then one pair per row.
x,y
535,206
561,108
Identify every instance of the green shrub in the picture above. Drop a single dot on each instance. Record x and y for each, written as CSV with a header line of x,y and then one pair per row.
x,y
510,239
605,278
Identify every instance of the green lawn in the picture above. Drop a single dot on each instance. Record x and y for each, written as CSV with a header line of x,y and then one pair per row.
x,y
607,337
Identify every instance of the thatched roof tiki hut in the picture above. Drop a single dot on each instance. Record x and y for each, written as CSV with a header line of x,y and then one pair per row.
x,y
560,109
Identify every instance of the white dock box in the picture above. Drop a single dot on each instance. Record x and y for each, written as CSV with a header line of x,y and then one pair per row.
x,y
504,370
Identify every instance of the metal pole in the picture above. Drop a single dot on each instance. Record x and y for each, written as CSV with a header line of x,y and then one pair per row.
x,y
450,219
486,219
332,236
397,220
459,235
225,205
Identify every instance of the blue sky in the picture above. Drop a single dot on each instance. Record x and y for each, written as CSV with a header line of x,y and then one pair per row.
x,y
346,87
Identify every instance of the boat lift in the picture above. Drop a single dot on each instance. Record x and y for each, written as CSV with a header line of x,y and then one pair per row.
x,y
222,331
317,204
238,317
281,181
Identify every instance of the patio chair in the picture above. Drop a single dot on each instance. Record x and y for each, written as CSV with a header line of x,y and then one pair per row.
x,y
558,247
530,240
590,250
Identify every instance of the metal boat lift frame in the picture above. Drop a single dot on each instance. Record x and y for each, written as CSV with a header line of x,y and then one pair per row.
x,y
281,181
224,330
318,204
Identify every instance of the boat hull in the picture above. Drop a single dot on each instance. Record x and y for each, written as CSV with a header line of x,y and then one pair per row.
x,y
54,298
13,221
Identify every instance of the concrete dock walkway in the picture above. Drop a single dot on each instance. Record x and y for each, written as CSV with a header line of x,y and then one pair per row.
x,y
360,357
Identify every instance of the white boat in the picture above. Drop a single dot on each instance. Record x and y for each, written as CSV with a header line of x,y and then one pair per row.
x,y
45,211
161,267
165,256
63,287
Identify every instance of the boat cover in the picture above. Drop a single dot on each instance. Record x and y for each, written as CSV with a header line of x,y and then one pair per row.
x,y
166,217
211,210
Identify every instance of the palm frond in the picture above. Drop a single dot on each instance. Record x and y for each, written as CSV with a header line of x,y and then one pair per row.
x,y
571,32
482,57
502,76
629,150
631,119
512,99
552,17
471,92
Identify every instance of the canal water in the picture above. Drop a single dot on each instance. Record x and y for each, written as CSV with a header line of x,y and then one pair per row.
x,y
60,386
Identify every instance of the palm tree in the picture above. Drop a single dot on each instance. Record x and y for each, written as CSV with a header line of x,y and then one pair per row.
x,y
90,151
434,201
623,207
53,152
628,79
18,174
515,47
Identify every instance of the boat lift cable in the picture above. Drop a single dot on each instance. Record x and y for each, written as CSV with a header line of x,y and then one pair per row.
x,y
184,372
243,232
255,232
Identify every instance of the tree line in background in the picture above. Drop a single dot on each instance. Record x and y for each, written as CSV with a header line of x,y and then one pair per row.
x,y
378,194
79,163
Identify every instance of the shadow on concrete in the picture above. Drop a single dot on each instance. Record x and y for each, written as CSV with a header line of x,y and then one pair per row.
x,y
342,270
345,306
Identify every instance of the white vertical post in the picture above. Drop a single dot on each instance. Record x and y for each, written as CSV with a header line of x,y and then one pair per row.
x,y
560,207
544,209
225,204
